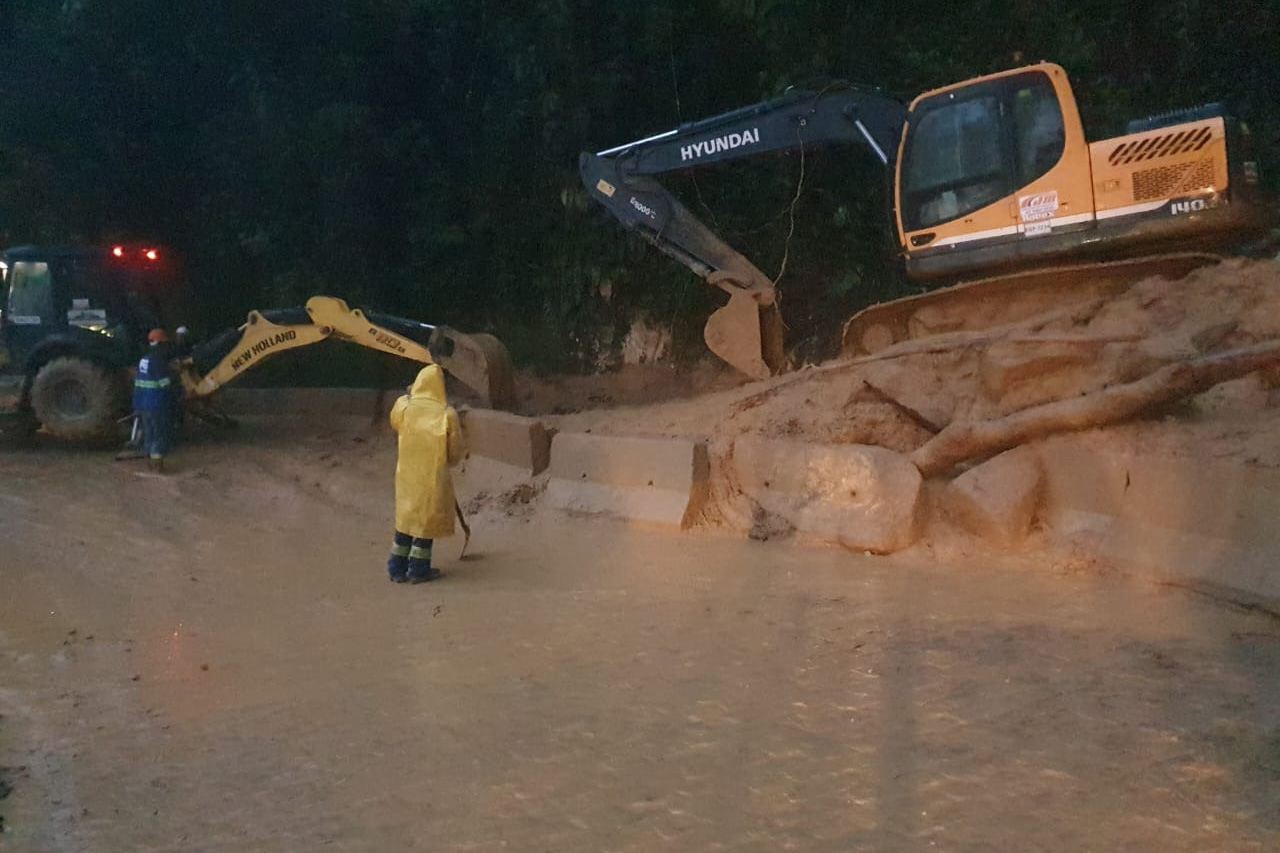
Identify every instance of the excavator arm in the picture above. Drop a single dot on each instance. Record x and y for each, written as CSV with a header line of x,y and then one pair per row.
x,y
480,362
747,331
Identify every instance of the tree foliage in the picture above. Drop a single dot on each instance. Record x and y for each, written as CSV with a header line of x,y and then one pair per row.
x,y
420,155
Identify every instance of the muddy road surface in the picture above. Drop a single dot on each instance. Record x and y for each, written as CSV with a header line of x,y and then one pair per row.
x,y
214,661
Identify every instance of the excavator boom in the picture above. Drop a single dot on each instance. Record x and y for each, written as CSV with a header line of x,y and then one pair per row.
x,y
746,332
480,362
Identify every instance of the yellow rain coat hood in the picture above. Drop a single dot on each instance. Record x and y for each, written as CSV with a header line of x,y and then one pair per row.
x,y
430,441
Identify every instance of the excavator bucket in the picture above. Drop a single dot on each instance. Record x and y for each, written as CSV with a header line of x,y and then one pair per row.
x,y
481,363
747,335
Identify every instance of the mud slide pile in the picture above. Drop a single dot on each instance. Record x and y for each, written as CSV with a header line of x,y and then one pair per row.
x,y
993,439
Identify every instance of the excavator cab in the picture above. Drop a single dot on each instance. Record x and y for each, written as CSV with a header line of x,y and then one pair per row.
x,y
969,150
995,175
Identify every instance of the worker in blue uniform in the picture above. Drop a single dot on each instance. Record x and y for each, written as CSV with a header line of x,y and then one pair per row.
x,y
154,397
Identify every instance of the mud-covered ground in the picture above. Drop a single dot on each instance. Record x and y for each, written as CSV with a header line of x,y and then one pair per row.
x,y
214,661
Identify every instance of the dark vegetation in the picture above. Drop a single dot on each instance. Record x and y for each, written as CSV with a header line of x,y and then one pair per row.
x,y
419,156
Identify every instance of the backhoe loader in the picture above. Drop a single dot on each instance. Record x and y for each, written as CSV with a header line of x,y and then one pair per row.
x,y
74,320
478,361
994,186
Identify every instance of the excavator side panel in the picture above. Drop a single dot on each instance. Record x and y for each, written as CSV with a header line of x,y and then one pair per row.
x,y
1161,174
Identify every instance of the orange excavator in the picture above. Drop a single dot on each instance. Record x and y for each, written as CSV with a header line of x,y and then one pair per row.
x,y
995,186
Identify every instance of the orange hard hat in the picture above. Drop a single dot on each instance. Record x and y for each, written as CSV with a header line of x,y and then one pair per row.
x,y
157,336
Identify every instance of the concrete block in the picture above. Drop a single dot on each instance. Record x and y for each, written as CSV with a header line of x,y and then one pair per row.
x,y
663,481
997,500
1208,523
866,498
517,441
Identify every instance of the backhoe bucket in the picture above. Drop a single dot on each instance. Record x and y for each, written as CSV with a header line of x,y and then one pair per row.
x,y
747,335
479,362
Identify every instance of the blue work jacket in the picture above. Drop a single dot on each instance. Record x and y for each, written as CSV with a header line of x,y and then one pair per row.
x,y
153,385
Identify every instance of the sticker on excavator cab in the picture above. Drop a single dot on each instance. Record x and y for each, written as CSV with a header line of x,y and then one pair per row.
x,y
606,188
1036,229
1032,208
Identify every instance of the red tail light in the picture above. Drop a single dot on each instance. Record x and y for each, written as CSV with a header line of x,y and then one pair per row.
x,y
118,251
150,254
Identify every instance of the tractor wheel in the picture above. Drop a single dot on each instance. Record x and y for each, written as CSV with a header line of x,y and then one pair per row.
x,y
77,399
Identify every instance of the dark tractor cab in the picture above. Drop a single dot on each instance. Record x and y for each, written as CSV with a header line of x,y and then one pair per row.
x,y
74,320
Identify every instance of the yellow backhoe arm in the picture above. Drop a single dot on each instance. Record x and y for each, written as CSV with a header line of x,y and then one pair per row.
x,y
480,362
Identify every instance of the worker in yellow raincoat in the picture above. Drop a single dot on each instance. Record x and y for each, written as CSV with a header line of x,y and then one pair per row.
x,y
430,442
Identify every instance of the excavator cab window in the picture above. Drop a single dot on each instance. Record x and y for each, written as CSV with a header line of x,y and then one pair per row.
x,y
1038,130
971,147
30,294
29,310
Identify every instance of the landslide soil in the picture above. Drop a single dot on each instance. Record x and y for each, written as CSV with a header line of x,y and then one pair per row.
x,y
1211,310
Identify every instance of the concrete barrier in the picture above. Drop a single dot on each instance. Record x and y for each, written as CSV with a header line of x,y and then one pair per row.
x,y
1208,523
480,478
865,498
663,481
523,443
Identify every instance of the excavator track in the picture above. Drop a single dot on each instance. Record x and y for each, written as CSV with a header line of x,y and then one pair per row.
x,y
985,303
